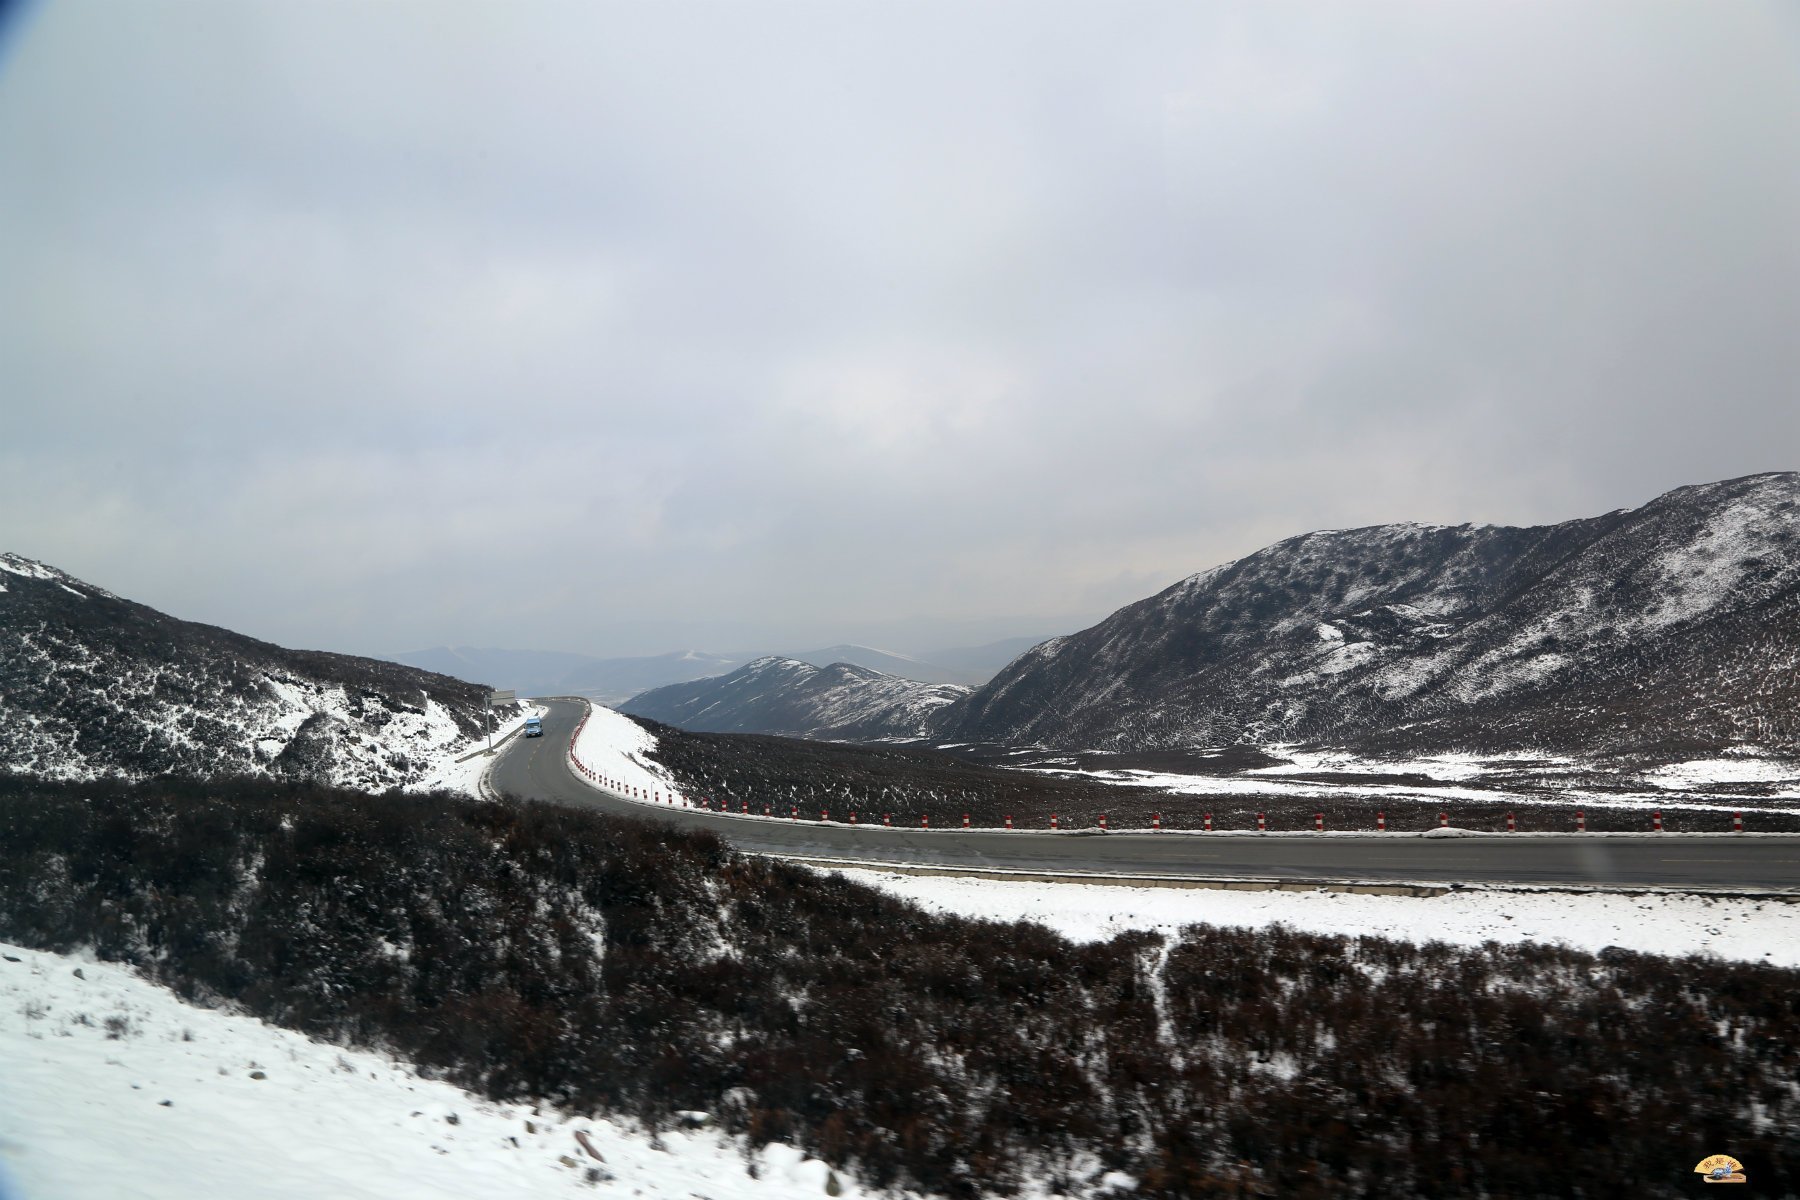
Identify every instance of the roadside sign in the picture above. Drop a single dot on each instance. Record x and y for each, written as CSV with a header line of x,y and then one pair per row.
x,y
502,697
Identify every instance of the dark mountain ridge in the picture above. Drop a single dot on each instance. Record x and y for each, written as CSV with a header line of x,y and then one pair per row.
x,y
92,684
1666,631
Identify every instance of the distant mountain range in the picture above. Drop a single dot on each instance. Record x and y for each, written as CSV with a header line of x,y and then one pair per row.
x,y
612,681
1667,630
95,685
784,695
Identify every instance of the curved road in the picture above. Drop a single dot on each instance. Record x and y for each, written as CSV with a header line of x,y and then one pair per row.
x,y
537,769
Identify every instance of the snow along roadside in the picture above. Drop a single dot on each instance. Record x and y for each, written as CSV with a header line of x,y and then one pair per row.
x,y
465,770
615,754
1757,929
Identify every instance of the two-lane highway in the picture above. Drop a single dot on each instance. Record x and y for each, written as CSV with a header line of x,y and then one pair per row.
x,y
537,768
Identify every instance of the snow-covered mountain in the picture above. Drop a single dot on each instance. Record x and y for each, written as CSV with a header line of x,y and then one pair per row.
x,y
787,696
92,684
1669,628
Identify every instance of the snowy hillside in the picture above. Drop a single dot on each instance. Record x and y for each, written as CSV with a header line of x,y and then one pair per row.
x,y
1669,629
787,696
92,684
114,1087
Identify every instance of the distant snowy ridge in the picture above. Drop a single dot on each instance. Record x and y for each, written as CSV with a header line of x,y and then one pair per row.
x,y
94,685
787,696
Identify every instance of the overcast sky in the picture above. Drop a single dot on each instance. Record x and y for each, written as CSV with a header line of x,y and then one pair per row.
x,y
628,327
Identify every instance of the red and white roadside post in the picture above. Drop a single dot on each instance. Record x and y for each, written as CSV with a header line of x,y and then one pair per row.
x,y
1103,820
824,815
794,813
1580,821
1156,822
1318,822
965,820
1443,820
1262,823
924,820
1053,820
768,809
1009,820
853,817
1656,821
1208,826
1737,822
1512,826
1380,822
887,819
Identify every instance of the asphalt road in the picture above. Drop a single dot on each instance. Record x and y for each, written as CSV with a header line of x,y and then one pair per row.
x,y
537,768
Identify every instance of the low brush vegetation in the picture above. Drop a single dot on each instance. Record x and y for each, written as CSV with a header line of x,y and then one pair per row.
x,y
542,953
909,783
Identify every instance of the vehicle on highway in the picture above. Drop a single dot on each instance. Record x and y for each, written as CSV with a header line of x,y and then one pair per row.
x,y
534,727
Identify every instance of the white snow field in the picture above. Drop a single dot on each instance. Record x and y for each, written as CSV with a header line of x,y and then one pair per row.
x,y
1733,927
111,1088
619,750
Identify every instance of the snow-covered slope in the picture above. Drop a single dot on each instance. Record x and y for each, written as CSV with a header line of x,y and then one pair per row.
x,y
787,696
1669,629
110,1086
92,684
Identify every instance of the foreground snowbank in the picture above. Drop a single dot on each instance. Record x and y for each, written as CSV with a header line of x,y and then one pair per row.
x,y
112,1087
1749,929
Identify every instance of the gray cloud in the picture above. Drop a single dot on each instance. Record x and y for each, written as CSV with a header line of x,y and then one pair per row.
x,y
627,327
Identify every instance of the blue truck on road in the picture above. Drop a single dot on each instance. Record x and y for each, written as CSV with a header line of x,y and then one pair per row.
x,y
534,727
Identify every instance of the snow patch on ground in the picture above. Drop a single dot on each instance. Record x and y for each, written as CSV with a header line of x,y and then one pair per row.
x,y
1745,928
1515,779
1702,772
622,752
88,1064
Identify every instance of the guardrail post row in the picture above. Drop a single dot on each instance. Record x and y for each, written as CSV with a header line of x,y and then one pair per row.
x,y
1318,822
1737,822
1262,823
1656,821
1381,822
1580,821
1512,826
